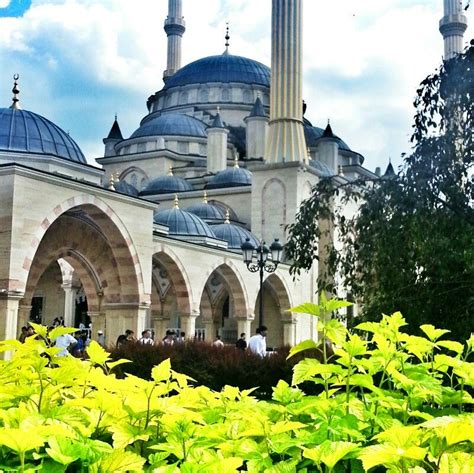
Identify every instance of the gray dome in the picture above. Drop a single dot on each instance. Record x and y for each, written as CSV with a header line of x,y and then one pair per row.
x,y
29,132
207,211
223,68
126,188
171,124
183,223
167,185
233,235
323,168
231,177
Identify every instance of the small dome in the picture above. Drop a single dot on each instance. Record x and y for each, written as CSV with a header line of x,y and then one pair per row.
x,y
29,132
323,168
233,235
183,223
223,68
231,177
171,124
125,188
207,211
167,185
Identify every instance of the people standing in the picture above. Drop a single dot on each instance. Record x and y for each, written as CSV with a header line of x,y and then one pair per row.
x,y
126,338
101,338
241,344
218,342
64,342
169,338
258,343
146,338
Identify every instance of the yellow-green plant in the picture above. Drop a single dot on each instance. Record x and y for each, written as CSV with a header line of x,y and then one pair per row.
x,y
388,400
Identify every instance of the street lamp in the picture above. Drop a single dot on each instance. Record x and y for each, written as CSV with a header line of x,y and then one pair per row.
x,y
262,263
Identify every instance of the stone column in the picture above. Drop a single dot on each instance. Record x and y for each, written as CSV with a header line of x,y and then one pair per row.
x,y
286,141
217,145
24,312
160,324
70,292
188,325
120,317
210,329
289,332
244,325
9,317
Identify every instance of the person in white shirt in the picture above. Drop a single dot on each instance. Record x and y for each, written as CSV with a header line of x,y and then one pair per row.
x,y
64,341
218,342
258,343
146,338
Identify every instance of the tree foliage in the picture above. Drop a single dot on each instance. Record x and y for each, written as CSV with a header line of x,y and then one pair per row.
x,y
410,245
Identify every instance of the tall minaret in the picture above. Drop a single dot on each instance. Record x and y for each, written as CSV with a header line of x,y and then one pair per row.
x,y
452,26
174,27
286,140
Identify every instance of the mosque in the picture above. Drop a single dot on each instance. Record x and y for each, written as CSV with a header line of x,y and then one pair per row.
x,y
152,238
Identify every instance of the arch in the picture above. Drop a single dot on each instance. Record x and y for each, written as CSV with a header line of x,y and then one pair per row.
x,y
204,95
225,94
236,285
88,251
273,205
178,277
105,219
183,98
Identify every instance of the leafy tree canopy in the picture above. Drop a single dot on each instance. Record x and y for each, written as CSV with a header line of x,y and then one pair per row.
x,y
410,245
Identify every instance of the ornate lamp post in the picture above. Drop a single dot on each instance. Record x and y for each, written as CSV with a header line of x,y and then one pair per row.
x,y
262,263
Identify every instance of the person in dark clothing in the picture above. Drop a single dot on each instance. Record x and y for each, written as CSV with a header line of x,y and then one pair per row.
x,y
241,344
125,338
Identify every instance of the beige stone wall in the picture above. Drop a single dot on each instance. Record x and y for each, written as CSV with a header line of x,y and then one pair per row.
x,y
49,288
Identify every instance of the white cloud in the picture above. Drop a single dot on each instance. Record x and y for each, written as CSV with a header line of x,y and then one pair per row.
x,y
4,3
83,60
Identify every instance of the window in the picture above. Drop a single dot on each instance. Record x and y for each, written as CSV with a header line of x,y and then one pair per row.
x,y
204,95
225,95
183,98
183,147
202,149
134,180
247,96
141,148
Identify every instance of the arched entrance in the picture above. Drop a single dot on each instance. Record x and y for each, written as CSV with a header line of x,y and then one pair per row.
x,y
91,246
280,323
223,306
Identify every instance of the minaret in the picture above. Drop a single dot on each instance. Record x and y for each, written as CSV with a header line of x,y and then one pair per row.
x,y
286,140
217,145
174,28
452,26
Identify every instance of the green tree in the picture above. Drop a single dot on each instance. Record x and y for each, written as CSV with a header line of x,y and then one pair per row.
x,y
410,245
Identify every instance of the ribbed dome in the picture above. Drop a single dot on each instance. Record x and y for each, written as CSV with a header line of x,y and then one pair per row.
x,y
183,223
231,177
29,132
233,235
126,188
207,211
171,124
222,68
167,185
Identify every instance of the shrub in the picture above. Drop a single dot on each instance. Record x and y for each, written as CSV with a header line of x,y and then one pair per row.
x,y
393,402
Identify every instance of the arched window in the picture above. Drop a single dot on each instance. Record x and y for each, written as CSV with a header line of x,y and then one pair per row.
x,y
134,180
247,96
204,95
225,95
183,98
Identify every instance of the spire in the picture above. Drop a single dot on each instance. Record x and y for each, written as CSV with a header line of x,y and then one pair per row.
x,y
176,201
217,122
227,37
15,100
257,109
115,133
328,131
227,216
452,26
204,198
174,28
389,172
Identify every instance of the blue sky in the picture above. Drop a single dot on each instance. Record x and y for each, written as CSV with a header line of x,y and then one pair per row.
x,y
82,61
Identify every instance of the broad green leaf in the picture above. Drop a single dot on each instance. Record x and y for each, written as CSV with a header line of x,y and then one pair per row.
x,y
335,304
450,345
162,372
121,461
40,330
97,354
302,346
335,331
387,455
309,368
125,434
112,364
457,462
20,440
332,452
285,426
63,450
433,333
58,331
307,308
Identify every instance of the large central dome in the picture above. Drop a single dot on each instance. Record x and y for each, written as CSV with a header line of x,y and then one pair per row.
x,y
222,68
